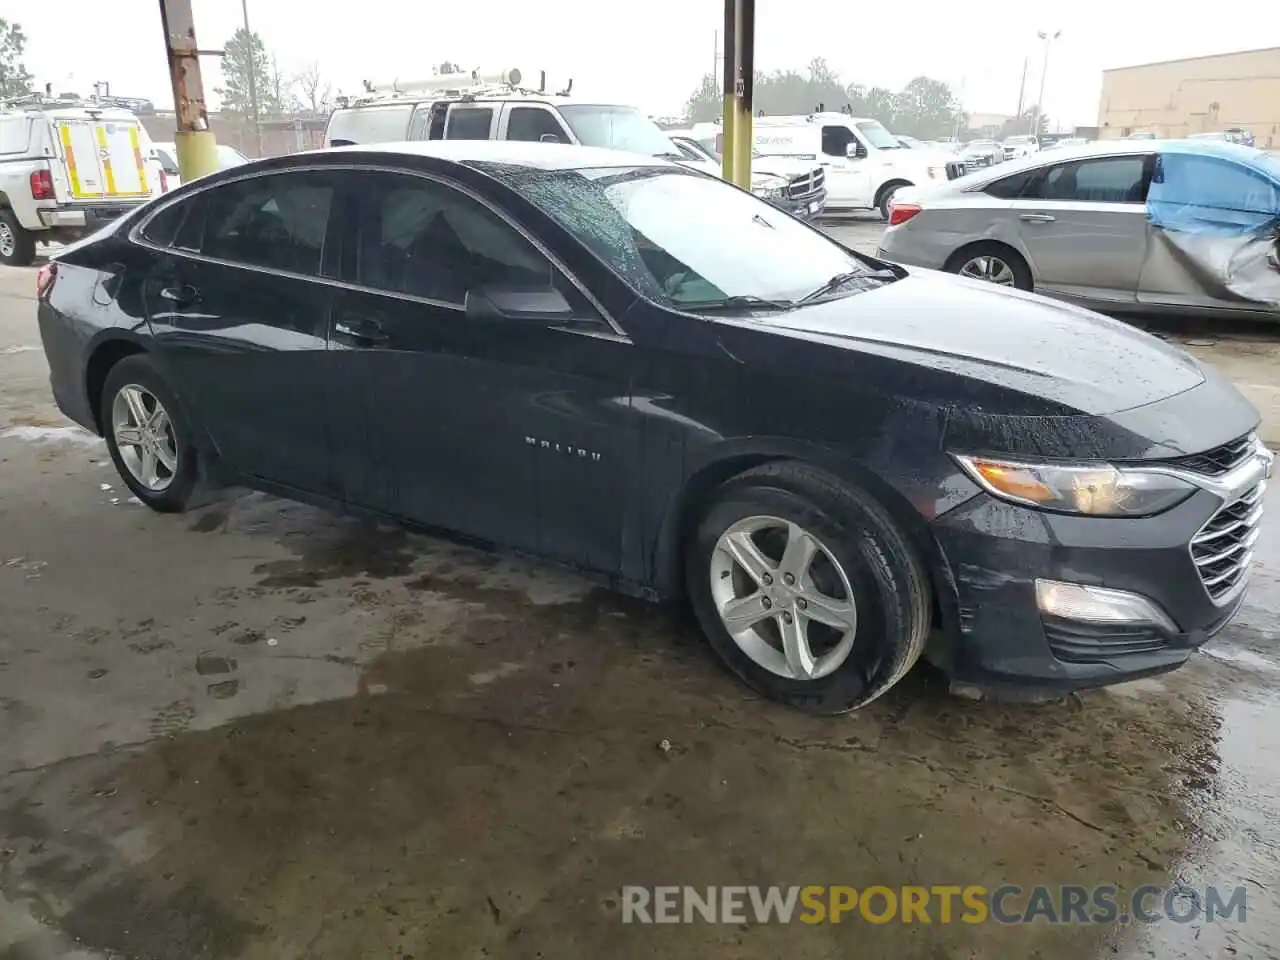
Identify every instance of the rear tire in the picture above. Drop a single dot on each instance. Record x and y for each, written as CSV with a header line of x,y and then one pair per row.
x,y
964,262
148,436
17,243
863,571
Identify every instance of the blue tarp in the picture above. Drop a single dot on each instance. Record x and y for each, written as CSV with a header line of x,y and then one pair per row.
x,y
1216,189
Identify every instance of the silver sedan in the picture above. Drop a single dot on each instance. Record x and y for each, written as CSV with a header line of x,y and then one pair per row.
x,y
1074,223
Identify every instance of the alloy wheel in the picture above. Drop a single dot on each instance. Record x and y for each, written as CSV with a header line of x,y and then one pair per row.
x,y
8,242
144,436
783,597
991,269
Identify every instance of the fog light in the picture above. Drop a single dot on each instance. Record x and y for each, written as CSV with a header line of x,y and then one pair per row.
x,y
1075,601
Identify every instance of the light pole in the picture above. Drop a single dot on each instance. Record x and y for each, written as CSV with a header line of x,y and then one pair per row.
x,y
253,79
1044,69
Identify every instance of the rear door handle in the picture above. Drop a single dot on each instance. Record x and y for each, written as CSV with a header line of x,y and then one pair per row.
x,y
363,332
181,295
1037,217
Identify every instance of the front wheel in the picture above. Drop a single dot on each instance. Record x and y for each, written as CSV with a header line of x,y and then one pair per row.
x,y
807,589
147,435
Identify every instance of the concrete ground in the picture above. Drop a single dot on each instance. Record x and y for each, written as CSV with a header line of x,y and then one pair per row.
x,y
263,731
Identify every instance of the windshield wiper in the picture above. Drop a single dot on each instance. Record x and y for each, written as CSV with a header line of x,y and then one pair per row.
x,y
840,279
735,303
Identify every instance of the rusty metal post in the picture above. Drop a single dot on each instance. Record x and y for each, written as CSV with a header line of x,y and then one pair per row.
x,y
197,151
739,69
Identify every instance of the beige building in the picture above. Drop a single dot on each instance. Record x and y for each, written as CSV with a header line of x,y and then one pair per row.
x,y
1199,95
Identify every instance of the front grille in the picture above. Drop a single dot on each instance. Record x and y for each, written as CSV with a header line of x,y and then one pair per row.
x,y
806,184
1219,460
1223,548
956,168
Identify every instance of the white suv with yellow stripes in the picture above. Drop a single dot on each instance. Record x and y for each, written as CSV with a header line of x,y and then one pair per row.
x,y
66,169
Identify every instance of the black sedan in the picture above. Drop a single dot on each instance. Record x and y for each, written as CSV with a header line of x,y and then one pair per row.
x,y
658,379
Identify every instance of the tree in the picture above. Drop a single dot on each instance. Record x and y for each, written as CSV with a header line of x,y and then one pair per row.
x,y
14,78
705,103
925,108
244,55
314,91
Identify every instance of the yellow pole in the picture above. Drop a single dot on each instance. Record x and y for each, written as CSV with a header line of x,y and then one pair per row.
x,y
197,153
739,58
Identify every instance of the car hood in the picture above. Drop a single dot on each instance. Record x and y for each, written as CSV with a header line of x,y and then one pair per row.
x,y
1042,357
782,166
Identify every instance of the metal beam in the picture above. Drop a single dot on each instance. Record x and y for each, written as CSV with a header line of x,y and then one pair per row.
x,y
197,153
739,74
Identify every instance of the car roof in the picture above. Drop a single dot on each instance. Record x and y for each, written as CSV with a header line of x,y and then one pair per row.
x,y
543,156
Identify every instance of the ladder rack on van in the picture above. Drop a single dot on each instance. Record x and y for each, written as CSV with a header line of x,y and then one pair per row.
x,y
40,101
454,85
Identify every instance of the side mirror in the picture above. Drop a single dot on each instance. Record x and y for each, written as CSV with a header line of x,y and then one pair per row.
x,y
549,138
855,150
510,303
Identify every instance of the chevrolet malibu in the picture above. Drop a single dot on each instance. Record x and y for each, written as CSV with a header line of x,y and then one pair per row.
x,y
613,363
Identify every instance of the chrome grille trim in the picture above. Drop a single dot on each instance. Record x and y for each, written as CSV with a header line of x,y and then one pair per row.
x,y
1222,549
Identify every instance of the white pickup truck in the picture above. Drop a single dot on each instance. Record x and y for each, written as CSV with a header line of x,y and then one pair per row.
x,y
66,169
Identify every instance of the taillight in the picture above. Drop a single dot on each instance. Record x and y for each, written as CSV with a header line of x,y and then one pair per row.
x,y
42,185
44,280
900,213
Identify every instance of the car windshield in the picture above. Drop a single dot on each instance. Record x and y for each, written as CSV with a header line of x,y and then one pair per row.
x,y
617,128
684,239
876,135
230,157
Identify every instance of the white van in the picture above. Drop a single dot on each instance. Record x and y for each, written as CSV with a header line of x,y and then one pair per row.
x,y
865,164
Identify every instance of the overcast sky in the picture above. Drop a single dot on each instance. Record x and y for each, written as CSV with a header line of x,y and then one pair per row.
x,y
652,53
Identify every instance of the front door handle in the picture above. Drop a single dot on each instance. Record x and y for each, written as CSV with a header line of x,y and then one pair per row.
x,y
182,295
1037,217
363,332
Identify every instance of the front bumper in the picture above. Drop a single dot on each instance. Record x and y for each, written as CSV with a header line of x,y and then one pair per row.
x,y
1003,639
805,207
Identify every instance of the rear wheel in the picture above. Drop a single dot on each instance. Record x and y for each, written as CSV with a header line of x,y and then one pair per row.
x,y
806,588
993,263
147,435
17,243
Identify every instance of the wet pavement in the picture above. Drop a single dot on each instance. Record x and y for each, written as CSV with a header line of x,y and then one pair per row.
x,y
262,731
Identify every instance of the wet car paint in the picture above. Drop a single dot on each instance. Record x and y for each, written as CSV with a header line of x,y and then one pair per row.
x,y
874,387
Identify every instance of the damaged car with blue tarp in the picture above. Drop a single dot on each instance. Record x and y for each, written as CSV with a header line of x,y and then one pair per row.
x,y
1214,209
1149,226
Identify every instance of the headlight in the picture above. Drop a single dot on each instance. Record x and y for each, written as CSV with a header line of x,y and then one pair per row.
x,y
770,188
937,173
1096,490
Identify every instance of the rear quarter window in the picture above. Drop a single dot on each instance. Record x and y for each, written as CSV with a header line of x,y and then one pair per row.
x,y
1013,187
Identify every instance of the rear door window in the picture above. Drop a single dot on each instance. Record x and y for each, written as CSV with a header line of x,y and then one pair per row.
x,y
276,221
469,123
1102,180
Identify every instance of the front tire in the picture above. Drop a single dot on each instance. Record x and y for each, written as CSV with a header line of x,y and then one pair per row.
x,y
886,199
807,589
148,436
17,243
